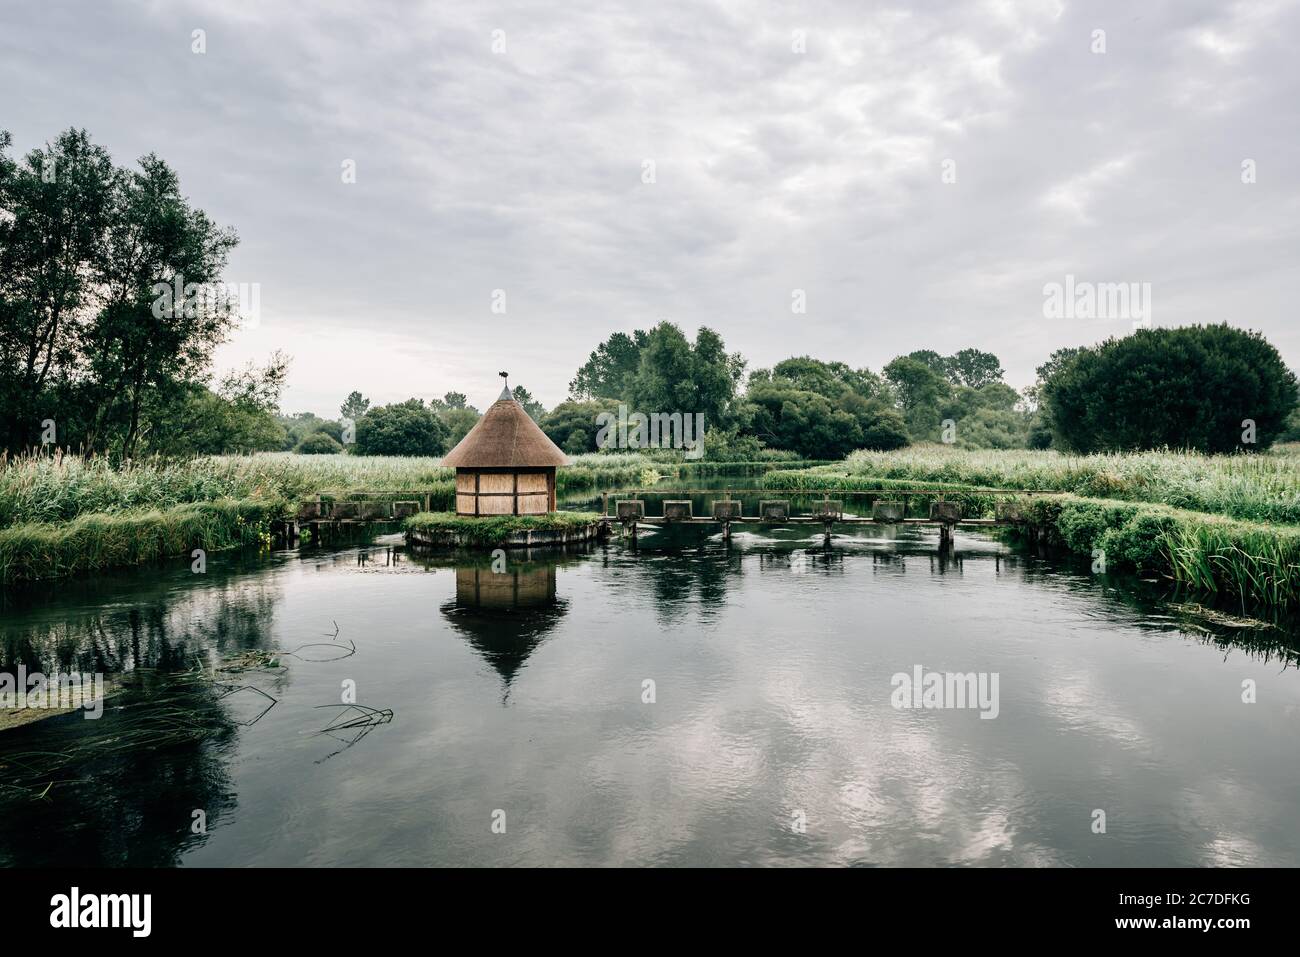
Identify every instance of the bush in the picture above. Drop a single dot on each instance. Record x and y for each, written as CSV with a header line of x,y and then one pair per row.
x,y
1141,542
808,423
403,428
1187,388
319,443
572,425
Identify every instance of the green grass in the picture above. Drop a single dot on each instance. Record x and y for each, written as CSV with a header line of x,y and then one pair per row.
x,y
1227,525
38,550
1258,488
1245,563
61,488
63,515
471,530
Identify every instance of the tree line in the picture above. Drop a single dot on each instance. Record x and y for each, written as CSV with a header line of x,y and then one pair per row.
x,y
1210,388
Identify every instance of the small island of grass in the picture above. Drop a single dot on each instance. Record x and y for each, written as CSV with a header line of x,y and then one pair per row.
x,y
447,529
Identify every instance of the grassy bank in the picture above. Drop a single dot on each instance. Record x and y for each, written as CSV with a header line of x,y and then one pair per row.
x,y
1222,525
1258,488
481,531
63,515
1245,563
61,488
40,550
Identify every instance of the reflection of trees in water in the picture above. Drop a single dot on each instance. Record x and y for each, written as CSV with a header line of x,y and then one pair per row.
x,y
1158,606
688,576
166,632
120,790
505,615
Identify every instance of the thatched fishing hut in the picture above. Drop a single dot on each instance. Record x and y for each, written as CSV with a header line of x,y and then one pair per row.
x,y
506,464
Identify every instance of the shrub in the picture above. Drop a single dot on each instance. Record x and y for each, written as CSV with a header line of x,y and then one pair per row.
x,y
403,428
318,443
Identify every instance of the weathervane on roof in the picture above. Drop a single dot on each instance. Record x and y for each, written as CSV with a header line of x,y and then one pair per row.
x,y
505,386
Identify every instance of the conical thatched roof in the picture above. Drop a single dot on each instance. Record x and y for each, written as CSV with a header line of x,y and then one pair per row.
x,y
506,437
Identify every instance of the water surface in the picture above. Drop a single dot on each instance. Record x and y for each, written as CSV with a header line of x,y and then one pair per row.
x,y
771,739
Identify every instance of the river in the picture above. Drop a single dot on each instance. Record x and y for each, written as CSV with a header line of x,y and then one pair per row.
x,y
681,701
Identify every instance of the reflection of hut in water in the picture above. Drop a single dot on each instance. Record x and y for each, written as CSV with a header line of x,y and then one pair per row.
x,y
505,615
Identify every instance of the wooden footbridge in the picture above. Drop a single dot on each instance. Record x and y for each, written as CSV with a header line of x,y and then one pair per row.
x,y
329,517
887,507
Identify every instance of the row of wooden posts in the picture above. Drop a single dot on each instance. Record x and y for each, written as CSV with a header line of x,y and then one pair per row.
x,y
946,515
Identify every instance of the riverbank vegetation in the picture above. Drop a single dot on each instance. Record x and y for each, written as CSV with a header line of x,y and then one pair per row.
x,y
1259,488
60,488
1217,524
97,541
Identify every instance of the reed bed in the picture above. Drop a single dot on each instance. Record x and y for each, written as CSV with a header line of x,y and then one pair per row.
x,y
57,488
1245,563
40,550
1254,487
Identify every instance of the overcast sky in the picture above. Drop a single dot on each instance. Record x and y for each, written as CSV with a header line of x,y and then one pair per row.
x,y
522,168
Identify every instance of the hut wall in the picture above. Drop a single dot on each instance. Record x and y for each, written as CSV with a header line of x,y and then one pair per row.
x,y
505,492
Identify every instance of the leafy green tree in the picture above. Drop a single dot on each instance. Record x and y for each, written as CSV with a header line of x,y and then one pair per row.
x,y
578,443
456,414
608,372
1192,387
678,376
240,416
922,391
973,368
458,422
354,406
1057,361
55,208
829,379
298,427
525,398
806,422
403,428
928,357
144,337
989,417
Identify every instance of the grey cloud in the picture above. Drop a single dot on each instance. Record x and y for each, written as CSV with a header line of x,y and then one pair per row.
x,y
776,170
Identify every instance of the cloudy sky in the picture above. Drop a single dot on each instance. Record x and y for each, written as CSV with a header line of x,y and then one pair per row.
x,y
506,146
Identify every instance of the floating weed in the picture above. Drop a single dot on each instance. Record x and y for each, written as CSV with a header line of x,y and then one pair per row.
x,y
358,719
